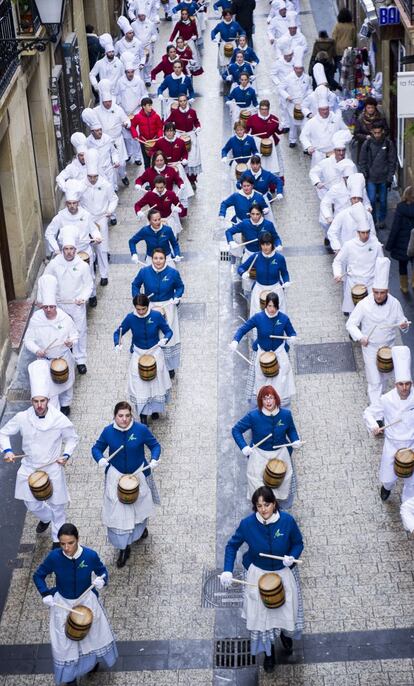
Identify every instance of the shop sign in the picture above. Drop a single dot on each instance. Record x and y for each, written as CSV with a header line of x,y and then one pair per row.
x,y
388,16
405,94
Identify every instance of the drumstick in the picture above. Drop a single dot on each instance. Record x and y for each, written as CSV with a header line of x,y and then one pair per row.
x,y
279,557
256,445
242,318
394,326
66,302
69,609
239,581
120,335
286,445
372,331
247,242
150,295
16,457
244,358
253,261
391,424
242,157
85,592
121,447
284,338
50,345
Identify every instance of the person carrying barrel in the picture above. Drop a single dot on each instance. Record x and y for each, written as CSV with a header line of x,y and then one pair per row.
x,y
271,580
148,379
226,33
130,491
155,235
48,440
251,229
80,633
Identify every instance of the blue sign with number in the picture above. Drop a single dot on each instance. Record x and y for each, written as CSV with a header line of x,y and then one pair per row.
x,y
388,16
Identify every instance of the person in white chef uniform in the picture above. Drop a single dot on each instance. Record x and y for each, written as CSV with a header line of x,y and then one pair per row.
x,y
398,413
355,205
109,67
294,89
75,287
129,92
77,168
48,440
375,322
316,134
113,120
51,334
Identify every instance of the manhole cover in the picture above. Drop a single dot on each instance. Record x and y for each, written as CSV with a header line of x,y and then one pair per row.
x,y
214,595
232,653
325,358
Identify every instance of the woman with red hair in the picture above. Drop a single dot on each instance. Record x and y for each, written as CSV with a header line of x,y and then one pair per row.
x,y
274,426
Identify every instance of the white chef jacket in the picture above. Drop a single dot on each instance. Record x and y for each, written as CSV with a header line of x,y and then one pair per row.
x,y
74,278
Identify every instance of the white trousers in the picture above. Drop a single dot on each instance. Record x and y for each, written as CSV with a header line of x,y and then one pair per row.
x,y
102,258
132,145
295,127
48,513
78,314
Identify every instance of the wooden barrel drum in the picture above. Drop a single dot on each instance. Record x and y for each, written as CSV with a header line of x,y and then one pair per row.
x,y
240,169
266,147
404,463
128,489
228,49
274,473
78,625
83,255
40,485
384,359
263,296
149,145
59,370
297,113
269,364
252,273
244,115
271,590
187,140
147,367
358,292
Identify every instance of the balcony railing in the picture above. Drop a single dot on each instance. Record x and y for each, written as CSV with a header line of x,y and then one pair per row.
x,y
408,7
8,50
28,20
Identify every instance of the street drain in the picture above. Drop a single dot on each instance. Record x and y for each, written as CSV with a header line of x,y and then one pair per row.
x,y
213,593
233,653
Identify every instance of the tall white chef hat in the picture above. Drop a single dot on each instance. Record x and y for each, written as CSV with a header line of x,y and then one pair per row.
x,y
360,218
291,18
341,138
46,289
106,42
128,60
298,57
90,119
78,141
39,375
278,5
322,96
285,44
401,357
69,235
73,190
382,271
356,185
91,161
346,168
319,74
104,87
140,8
407,514
124,24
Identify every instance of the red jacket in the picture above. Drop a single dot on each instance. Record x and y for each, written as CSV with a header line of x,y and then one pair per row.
x,y
174,151
184,121
269,127
172,177
163,203
166,66
146,127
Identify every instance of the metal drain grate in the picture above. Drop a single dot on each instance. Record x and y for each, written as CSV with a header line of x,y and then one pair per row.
x,y
325,358
233,653
213,593
224,252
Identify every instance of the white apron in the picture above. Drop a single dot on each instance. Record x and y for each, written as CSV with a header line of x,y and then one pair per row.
x,y
194,156
387,474
283,383
349,282
173,220
171,313
186,190
117,515
141,391
236,109
102,223
56,472
274,162
58,388
260,618
256,465
222,60
255,299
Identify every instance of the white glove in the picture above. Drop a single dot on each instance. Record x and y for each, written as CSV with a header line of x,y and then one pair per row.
x,y
288,560
229,78
178,258
162,342
226,579
224,160
99,582
48,600
160,97
140,214
153,464
233,345
153,39
217,39
279,248
103,462
175,209
221,219
138,187
184,162
233,245
118,348
175,301
246,275
134,258
296,444
247,450
286,284
279,196
266,210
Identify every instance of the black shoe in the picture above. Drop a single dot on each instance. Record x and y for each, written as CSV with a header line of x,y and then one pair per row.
x,y
122,557
155,415
93,301
72,683
148,84
326,243
113,221
65,409
384,494
82,368
380,423
143,418
125,181
269,662
104,282
55,545
109,256
138,163
168,19
286,129
172,373
292,145
41,527
287,643
145,533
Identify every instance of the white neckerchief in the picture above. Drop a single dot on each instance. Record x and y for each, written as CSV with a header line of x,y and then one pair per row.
x,y
118,428
158,271
273,413
161,194
270,315
262,117
187,109
241,138
175,77
256,174
174,59
171,140
261,220
185,21
227,22
243,88
241,191
270,254
140,316
274,518
160,169
76,555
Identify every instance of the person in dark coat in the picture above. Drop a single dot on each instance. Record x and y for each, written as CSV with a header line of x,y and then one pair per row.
x,y
369,116
243,11
399,237
95,51
377,162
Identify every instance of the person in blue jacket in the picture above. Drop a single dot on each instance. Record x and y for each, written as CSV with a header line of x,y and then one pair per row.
x,y
241,146
191,7
271,273
165,287
156,235
176,84
248,52
126,439
272,532
264,181
238,67
271,426
242,201
225,34
73,566
222,4
148,379
242,97
251,229
274,329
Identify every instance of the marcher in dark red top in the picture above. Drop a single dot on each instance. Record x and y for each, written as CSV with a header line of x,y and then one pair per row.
x,y
264,123
186,120
185,27
166,64
172,146
160,198
159,167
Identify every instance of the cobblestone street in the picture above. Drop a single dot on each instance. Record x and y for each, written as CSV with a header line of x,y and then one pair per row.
x,y
357,572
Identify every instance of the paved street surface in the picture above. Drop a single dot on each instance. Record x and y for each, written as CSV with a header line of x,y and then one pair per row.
x,y
357,564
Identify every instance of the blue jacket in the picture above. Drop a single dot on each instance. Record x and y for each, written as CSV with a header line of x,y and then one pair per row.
x,y
224,4
176,87
281,426
242,148
269,270
279,325
263,182
145,330
242,205
73,577
251,231
133,455
280,538
234,70
164,238
192,7
244,97
249,54
228,32
164,285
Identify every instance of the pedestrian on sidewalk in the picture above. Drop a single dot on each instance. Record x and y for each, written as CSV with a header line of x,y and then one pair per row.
x,y
369,116
243,14
377,162
400,234
344,34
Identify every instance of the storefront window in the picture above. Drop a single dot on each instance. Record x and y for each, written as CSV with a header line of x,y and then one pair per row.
x,y
400,121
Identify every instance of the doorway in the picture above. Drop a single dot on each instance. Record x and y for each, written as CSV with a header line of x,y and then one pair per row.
x,y
5,256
